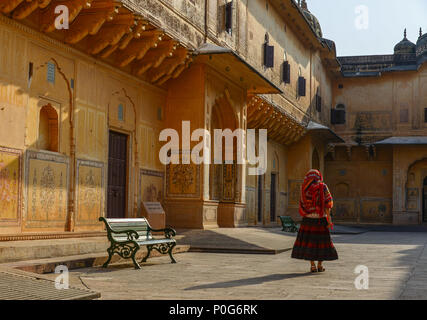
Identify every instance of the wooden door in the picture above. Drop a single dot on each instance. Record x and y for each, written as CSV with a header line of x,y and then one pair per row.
x,y
260,203
425,201
117,175
273,198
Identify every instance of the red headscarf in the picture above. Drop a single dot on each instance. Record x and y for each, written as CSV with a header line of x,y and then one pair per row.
x,y
315,195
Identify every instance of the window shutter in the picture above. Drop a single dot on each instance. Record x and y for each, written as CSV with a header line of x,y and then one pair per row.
x,y
286,72
337,116
318,103
229,17
268,56
301,86
334,116
341,117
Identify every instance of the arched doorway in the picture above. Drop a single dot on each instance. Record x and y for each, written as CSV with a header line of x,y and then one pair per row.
x,y
416,192
225,172
425,200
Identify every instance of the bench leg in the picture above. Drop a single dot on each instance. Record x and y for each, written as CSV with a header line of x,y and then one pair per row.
x,y
170,253
110,254
137,266
149,248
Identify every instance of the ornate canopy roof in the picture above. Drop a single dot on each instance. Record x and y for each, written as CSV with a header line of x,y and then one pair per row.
x,y
405,46
311,19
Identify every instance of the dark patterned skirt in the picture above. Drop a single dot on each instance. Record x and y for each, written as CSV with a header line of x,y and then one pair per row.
x,y
314,242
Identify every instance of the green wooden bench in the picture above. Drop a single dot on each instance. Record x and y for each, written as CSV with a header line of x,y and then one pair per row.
x,y
126,236
288,224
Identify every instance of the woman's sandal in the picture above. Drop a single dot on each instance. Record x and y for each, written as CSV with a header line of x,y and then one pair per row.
x,y
313,269
321,269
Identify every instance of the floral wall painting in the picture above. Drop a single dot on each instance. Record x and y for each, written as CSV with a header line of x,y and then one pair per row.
x,y
89,192
9,184
47,190
183,180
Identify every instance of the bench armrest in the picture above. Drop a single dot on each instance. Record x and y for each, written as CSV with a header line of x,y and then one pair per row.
x,y
169,232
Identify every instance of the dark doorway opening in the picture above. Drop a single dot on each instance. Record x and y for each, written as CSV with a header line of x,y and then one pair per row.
x,y
117,175
260,203
425,200
273,198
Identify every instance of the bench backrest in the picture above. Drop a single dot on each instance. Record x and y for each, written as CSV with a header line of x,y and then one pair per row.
x,y
287,220
140,225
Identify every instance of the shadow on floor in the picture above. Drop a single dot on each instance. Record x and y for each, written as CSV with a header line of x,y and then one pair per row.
x,y
250,281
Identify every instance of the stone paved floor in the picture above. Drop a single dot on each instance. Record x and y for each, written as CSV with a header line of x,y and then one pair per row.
x,y
397,263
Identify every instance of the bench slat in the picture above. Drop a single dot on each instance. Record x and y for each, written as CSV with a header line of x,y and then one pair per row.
x,y
154,241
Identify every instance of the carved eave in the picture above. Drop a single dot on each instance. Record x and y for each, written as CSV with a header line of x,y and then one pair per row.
x,y
329,58
231,65
281,127
295,19
108,31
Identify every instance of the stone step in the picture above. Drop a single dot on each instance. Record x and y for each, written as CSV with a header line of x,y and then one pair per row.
x,y
48,265
12,251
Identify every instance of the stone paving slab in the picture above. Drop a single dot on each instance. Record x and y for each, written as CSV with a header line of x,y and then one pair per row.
x,y
247,240
239,240
396,263
19,285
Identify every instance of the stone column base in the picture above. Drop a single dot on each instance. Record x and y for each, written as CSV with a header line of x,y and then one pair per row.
x,y
191,214
402,218
232,215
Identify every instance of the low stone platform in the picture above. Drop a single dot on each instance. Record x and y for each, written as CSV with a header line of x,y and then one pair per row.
x,y
12,251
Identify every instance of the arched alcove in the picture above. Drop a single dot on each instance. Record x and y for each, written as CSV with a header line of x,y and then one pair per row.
x,y
48,129
315,160
341,190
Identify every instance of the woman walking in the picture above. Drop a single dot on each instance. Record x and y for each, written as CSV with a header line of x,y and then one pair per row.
x,y
314,242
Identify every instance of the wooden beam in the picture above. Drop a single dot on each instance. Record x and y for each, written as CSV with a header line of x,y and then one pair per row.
x,y
176,73
156,56
169,65
111,32
7,6
252,122
90,20
137,48
28,7
48,16
256,107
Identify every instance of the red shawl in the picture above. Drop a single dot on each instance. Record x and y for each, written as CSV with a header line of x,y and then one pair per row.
x,y
315,195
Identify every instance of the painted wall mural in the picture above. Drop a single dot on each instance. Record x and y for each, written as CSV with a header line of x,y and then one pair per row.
x,y
183,180
371,121
412,199
10,164
377,210
229,175
151,183
344,209
294,192
90,192
251,204
47,190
